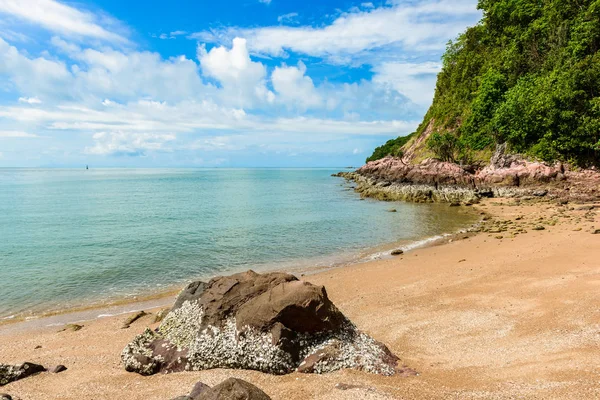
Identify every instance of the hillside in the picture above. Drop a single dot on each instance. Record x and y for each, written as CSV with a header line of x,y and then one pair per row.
x,y
527,75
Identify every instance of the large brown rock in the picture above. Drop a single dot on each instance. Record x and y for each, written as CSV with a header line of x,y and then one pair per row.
x,y
266,322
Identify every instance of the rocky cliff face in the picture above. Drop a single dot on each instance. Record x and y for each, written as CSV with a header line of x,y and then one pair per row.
x,y
507,175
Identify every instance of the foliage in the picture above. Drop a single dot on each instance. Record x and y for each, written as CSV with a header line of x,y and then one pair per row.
x,y
528,74
391,147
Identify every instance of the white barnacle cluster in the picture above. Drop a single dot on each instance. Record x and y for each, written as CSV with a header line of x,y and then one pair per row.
x,y
227,347
348,349
9,373
139,346
181,326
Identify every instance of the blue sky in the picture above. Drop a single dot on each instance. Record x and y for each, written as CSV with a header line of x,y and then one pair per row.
x,y
235,83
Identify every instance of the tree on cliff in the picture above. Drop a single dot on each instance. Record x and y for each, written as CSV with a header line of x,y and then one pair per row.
x,y
527,75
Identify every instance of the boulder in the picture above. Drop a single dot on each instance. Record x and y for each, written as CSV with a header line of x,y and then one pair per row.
x,y
271,322
234,389
11,373
230,389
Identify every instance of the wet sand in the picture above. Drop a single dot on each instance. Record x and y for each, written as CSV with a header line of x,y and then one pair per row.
x,y
492,316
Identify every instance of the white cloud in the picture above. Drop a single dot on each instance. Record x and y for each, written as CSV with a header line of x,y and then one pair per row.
x,y
414,26
243,80
30,100
127,143
415,81
188,117
294,88
60,18
367,5
287,18
16,134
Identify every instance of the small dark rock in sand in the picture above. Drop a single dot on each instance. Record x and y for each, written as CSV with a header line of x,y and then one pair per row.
x,y
132,318
397,252
585,208
58,369
596,232
4,396
230,389
454,204
72,328
11,373
538,228
348,386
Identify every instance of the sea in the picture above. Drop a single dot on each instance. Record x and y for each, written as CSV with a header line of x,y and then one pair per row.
x,y
71,238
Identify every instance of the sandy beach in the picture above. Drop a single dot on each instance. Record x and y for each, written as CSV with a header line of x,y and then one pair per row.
x,y
508,313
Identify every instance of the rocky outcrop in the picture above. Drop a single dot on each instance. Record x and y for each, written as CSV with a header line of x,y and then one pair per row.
x,y
230,389
272,323
507,175
513,170
11,373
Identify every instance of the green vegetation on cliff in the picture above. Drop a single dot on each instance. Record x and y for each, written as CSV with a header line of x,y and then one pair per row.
x,y
529,75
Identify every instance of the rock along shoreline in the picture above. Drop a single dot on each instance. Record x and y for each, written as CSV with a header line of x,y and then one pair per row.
x,y
508,176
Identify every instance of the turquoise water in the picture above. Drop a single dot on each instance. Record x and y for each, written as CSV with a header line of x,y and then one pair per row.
x,y
72,237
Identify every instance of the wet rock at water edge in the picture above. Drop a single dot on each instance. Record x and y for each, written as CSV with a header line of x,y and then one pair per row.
x,y
266,322
397,252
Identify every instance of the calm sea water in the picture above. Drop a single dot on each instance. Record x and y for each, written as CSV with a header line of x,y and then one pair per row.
x,y
73,237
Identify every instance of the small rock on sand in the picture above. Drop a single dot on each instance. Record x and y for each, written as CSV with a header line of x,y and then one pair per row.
x,y
132,318
71,327
538,228
4,396
58,369
397,252
11,373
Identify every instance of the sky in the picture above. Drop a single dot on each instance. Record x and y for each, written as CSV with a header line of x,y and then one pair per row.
x,y
204,83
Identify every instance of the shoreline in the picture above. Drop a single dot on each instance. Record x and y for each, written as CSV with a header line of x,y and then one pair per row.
x,y
165,298
508,311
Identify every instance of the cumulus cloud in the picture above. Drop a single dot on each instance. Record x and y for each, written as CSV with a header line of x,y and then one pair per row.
x,y
243,80
294,87
60,18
